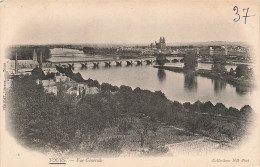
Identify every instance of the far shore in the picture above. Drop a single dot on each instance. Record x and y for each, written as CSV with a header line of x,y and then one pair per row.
x,y
211,75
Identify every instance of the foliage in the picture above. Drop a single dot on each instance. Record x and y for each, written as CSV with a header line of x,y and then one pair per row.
x,y
219,68
232,72
77,77
243,70
39,119
161,59
190,61
219,64
111,145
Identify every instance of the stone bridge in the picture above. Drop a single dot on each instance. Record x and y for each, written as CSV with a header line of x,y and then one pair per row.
x,y
109,62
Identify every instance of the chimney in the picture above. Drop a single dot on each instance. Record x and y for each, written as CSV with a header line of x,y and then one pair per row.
x,y
34,56
16,64
40,64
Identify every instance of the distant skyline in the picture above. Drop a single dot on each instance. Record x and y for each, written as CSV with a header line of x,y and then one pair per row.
x,y
121,22
145,44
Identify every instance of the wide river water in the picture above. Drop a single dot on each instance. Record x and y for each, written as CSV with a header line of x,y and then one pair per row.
x,y
176,86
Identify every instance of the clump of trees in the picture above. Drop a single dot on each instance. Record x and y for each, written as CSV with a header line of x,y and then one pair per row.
x,y
42,120
242,70
190,61
161,59
37,73
106,87
219,63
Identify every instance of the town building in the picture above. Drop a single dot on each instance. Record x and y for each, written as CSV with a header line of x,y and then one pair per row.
x,y
49,85
210,51
15,65
159,45
61,83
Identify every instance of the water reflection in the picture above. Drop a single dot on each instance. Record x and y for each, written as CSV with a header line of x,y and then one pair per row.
x,y
161,75
84,68
95,67
219,85
243,90
190,81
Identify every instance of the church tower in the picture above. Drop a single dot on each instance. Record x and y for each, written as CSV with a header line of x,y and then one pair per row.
x,y
34,56
40,63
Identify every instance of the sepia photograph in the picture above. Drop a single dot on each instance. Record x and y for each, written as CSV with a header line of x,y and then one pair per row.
x,y
133,83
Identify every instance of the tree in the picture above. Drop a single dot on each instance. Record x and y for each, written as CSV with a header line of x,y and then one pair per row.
x,y
105,87
190,61
220,109
187,105
125,89
207,107
243,70
142,128
246,111
219,64
196,107
219,68
37,73
233,111
161,59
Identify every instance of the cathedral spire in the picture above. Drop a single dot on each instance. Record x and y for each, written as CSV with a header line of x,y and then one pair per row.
x,y
40,63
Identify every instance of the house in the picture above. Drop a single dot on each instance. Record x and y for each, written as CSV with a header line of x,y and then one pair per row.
x,y
49,85
61,78
64,83
81,89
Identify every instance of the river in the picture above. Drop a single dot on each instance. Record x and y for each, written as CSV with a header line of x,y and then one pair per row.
x,y
176,86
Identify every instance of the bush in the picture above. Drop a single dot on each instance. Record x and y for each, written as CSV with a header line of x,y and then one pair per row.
x,y
207,107
220,109
112,145
196,107
246,111
243,70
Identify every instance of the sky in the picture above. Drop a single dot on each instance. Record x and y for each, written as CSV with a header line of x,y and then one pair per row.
x,y
125,22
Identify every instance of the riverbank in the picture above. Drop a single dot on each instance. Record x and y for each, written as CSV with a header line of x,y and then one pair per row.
x,y
245,83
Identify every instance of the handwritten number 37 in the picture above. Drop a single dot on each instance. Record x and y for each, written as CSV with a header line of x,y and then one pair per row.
x,y
238,15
